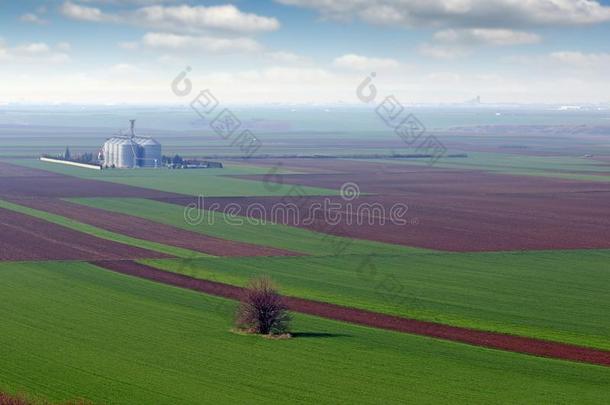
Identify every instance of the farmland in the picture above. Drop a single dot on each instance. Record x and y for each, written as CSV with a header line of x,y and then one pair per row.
x,y
270,234
560,167
463,210
27,238
133,335
134,230
304,202
491,257
562,298
45,220
211,182
492,340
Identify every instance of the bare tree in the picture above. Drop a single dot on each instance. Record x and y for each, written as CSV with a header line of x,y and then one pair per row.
x,y
262,309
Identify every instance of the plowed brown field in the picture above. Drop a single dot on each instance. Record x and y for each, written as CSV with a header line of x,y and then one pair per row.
x,y
149,230
17,181
26,238
452,210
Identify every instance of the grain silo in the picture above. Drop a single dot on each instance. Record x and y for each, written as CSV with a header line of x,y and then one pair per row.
x,y
108,151
105,153
131,151
111,152
150,155
114,152
126,153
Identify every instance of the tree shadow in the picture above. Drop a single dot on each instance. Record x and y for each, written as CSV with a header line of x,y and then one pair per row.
x,y
320,335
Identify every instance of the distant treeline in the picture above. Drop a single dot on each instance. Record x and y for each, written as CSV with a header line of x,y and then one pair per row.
x,y
178,162
353,156
87,158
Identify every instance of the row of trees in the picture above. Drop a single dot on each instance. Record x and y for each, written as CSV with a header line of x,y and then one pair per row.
x,y
172,160
80,158
178,161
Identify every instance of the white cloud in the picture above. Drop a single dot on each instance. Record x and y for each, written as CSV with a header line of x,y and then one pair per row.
x,y
84,13
306,85
444,78
455,43
288,58
32,18
35,48
175,42
581,60
199,18
124,69
464,13
290,75
443,52
179,19
129,45
486,36
64,46
129,2
579,64
32,52
359,62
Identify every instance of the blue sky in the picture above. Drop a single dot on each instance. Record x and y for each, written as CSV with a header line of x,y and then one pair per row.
x,y
298,51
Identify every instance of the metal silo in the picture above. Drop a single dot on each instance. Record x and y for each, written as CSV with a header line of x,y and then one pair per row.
x,y
108,153
129,151
105,151
126,153
151,152
114,161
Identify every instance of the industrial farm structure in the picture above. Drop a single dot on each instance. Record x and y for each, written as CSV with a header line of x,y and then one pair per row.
x,y
130,151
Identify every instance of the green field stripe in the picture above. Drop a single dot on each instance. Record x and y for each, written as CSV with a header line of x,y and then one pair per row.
x,y
554,295
102,233
207,182
72,330
272,235
562,167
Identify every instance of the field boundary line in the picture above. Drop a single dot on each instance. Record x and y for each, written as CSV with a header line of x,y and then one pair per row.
x,y
491,340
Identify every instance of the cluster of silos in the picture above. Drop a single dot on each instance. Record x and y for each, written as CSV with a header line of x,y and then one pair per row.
x,y
120,152
129,152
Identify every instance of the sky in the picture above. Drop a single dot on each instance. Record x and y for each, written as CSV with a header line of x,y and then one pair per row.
x,y
305,51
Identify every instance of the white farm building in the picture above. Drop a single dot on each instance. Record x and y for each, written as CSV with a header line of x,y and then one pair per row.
x,y
130,151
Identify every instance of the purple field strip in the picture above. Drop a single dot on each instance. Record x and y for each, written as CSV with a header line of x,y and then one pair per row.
x,y
448,209
452,223
23,182
524,345
140,228
23,237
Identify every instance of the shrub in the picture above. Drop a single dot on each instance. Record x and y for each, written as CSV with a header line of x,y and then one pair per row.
x,y
262,309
